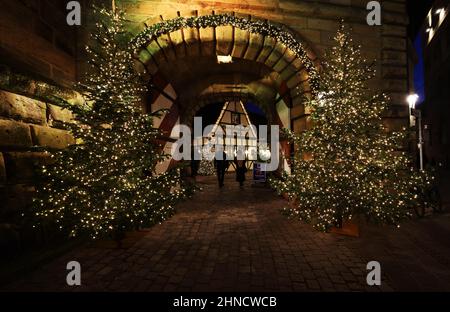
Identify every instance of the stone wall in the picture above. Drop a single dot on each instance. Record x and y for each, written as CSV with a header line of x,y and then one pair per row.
x,y
29,126
315,22
35,37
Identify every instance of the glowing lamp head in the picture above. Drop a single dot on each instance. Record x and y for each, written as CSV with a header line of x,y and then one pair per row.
x,y
224,59
264,154
412,100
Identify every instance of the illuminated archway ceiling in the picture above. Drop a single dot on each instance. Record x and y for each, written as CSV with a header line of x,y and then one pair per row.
x,y
262,67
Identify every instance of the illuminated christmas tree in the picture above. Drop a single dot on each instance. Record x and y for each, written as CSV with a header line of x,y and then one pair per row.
x,y
206,168
347,163
105,184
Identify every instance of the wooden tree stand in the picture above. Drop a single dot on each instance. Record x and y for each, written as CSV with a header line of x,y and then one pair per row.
x,y
349,228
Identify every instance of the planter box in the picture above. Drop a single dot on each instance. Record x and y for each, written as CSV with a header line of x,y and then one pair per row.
x,y
349,228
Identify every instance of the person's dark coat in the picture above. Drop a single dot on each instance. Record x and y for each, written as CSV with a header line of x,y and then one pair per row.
x,y
241,169
221,166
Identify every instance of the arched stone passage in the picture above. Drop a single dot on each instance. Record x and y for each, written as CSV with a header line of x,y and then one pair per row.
x,y
182,40
179,58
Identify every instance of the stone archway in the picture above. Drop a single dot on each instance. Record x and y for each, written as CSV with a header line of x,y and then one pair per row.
x,y
270,44
179,59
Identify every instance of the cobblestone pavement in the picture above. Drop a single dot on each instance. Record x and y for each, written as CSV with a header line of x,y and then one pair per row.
x,y
235,239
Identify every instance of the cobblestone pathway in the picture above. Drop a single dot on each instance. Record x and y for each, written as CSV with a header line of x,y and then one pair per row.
x,y
236,240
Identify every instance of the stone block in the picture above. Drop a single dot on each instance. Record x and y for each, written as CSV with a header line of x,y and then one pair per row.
x,y
394,58
288,72
224,38
294,80
392,30
14,134
207,36
298,109
21,166
154,49
22,108
269,42
311,36
395,85
276,54
395,18
255,44
284,62
76,99
50,137
394,43
323,24
59,114
166,45
394,72
191,35
241,38
177,41
392,6
151,67
144,56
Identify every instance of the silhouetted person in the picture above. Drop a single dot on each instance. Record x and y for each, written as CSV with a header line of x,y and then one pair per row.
x,y
221,164
241,169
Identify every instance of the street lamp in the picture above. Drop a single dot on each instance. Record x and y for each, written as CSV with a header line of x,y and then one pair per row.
x,y
412,100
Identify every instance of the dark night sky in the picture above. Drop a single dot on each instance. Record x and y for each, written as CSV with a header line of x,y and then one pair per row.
x,y
210,113
417,11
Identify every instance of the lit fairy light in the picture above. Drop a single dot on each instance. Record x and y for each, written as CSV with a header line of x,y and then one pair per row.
x,y
106,183
346,164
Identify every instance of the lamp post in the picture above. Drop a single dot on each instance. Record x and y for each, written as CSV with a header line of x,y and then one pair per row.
x,y
412,100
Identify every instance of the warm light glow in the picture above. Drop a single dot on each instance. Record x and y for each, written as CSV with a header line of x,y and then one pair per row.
x,y
225,59
412,100
264,154
106,183
346,163
439,11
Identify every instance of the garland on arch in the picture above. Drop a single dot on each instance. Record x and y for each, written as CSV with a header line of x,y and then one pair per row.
x,y
282,35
